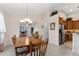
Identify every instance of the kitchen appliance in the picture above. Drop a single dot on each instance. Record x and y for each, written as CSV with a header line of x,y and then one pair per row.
x,y
61,34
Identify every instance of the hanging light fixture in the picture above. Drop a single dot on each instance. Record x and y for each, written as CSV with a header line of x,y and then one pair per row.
x,y
27,19
21,21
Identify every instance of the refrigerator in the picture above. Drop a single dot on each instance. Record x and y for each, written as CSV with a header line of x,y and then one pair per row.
x,y
61,34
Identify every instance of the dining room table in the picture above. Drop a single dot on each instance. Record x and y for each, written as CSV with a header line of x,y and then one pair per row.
x,y
25,41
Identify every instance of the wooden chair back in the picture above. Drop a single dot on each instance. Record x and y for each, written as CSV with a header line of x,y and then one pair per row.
x,y
39,49
20,50
36,35
14,39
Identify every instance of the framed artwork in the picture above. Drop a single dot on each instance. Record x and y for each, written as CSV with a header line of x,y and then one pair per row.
x,y
52,26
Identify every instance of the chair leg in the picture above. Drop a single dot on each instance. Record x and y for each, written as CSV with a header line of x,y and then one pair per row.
x,y
16,51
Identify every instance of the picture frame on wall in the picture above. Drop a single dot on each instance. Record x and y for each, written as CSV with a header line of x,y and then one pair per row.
x,y
52,26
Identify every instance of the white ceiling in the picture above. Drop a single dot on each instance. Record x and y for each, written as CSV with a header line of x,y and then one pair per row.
x,y
67,8
13,9
35,9
24,9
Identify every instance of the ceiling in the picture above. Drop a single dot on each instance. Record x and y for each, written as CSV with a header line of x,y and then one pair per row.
x,y
24,9
67,8
36,9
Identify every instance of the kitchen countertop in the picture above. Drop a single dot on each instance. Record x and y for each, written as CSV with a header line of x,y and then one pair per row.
x,y
72,31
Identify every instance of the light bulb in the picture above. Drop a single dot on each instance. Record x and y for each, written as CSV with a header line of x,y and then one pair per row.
x,y
27,20
21,20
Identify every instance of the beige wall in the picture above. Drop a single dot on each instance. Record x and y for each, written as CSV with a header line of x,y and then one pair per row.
x,y
12,27
54,34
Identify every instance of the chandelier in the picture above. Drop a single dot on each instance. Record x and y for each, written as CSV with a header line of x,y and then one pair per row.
x,y
26,20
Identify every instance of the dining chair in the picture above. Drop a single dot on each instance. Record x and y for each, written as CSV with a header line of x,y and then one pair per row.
x,y
39,49
40,37
35,35
20,50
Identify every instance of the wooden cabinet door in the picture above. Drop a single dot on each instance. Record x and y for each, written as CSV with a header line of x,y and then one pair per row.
x,y
76,25
69,25
65,25
68,37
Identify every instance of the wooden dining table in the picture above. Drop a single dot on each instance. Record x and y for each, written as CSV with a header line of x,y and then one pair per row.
x,y
25,41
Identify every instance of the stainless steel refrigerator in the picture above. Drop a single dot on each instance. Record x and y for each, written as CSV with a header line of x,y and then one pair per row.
x,y
61,34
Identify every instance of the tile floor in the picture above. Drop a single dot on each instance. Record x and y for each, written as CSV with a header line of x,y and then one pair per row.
x,y
51,51
59,51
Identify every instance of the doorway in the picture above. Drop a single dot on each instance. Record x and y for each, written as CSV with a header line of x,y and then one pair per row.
x,y
32,30
65,36
68,39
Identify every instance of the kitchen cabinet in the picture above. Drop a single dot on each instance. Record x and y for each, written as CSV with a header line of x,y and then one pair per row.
x,y
68,36
70,25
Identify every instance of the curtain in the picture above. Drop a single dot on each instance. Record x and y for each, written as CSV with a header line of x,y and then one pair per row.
x,y
1,41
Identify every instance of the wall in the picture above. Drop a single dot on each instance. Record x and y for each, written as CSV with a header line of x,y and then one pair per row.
x,y
54,34
12,27
42,26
